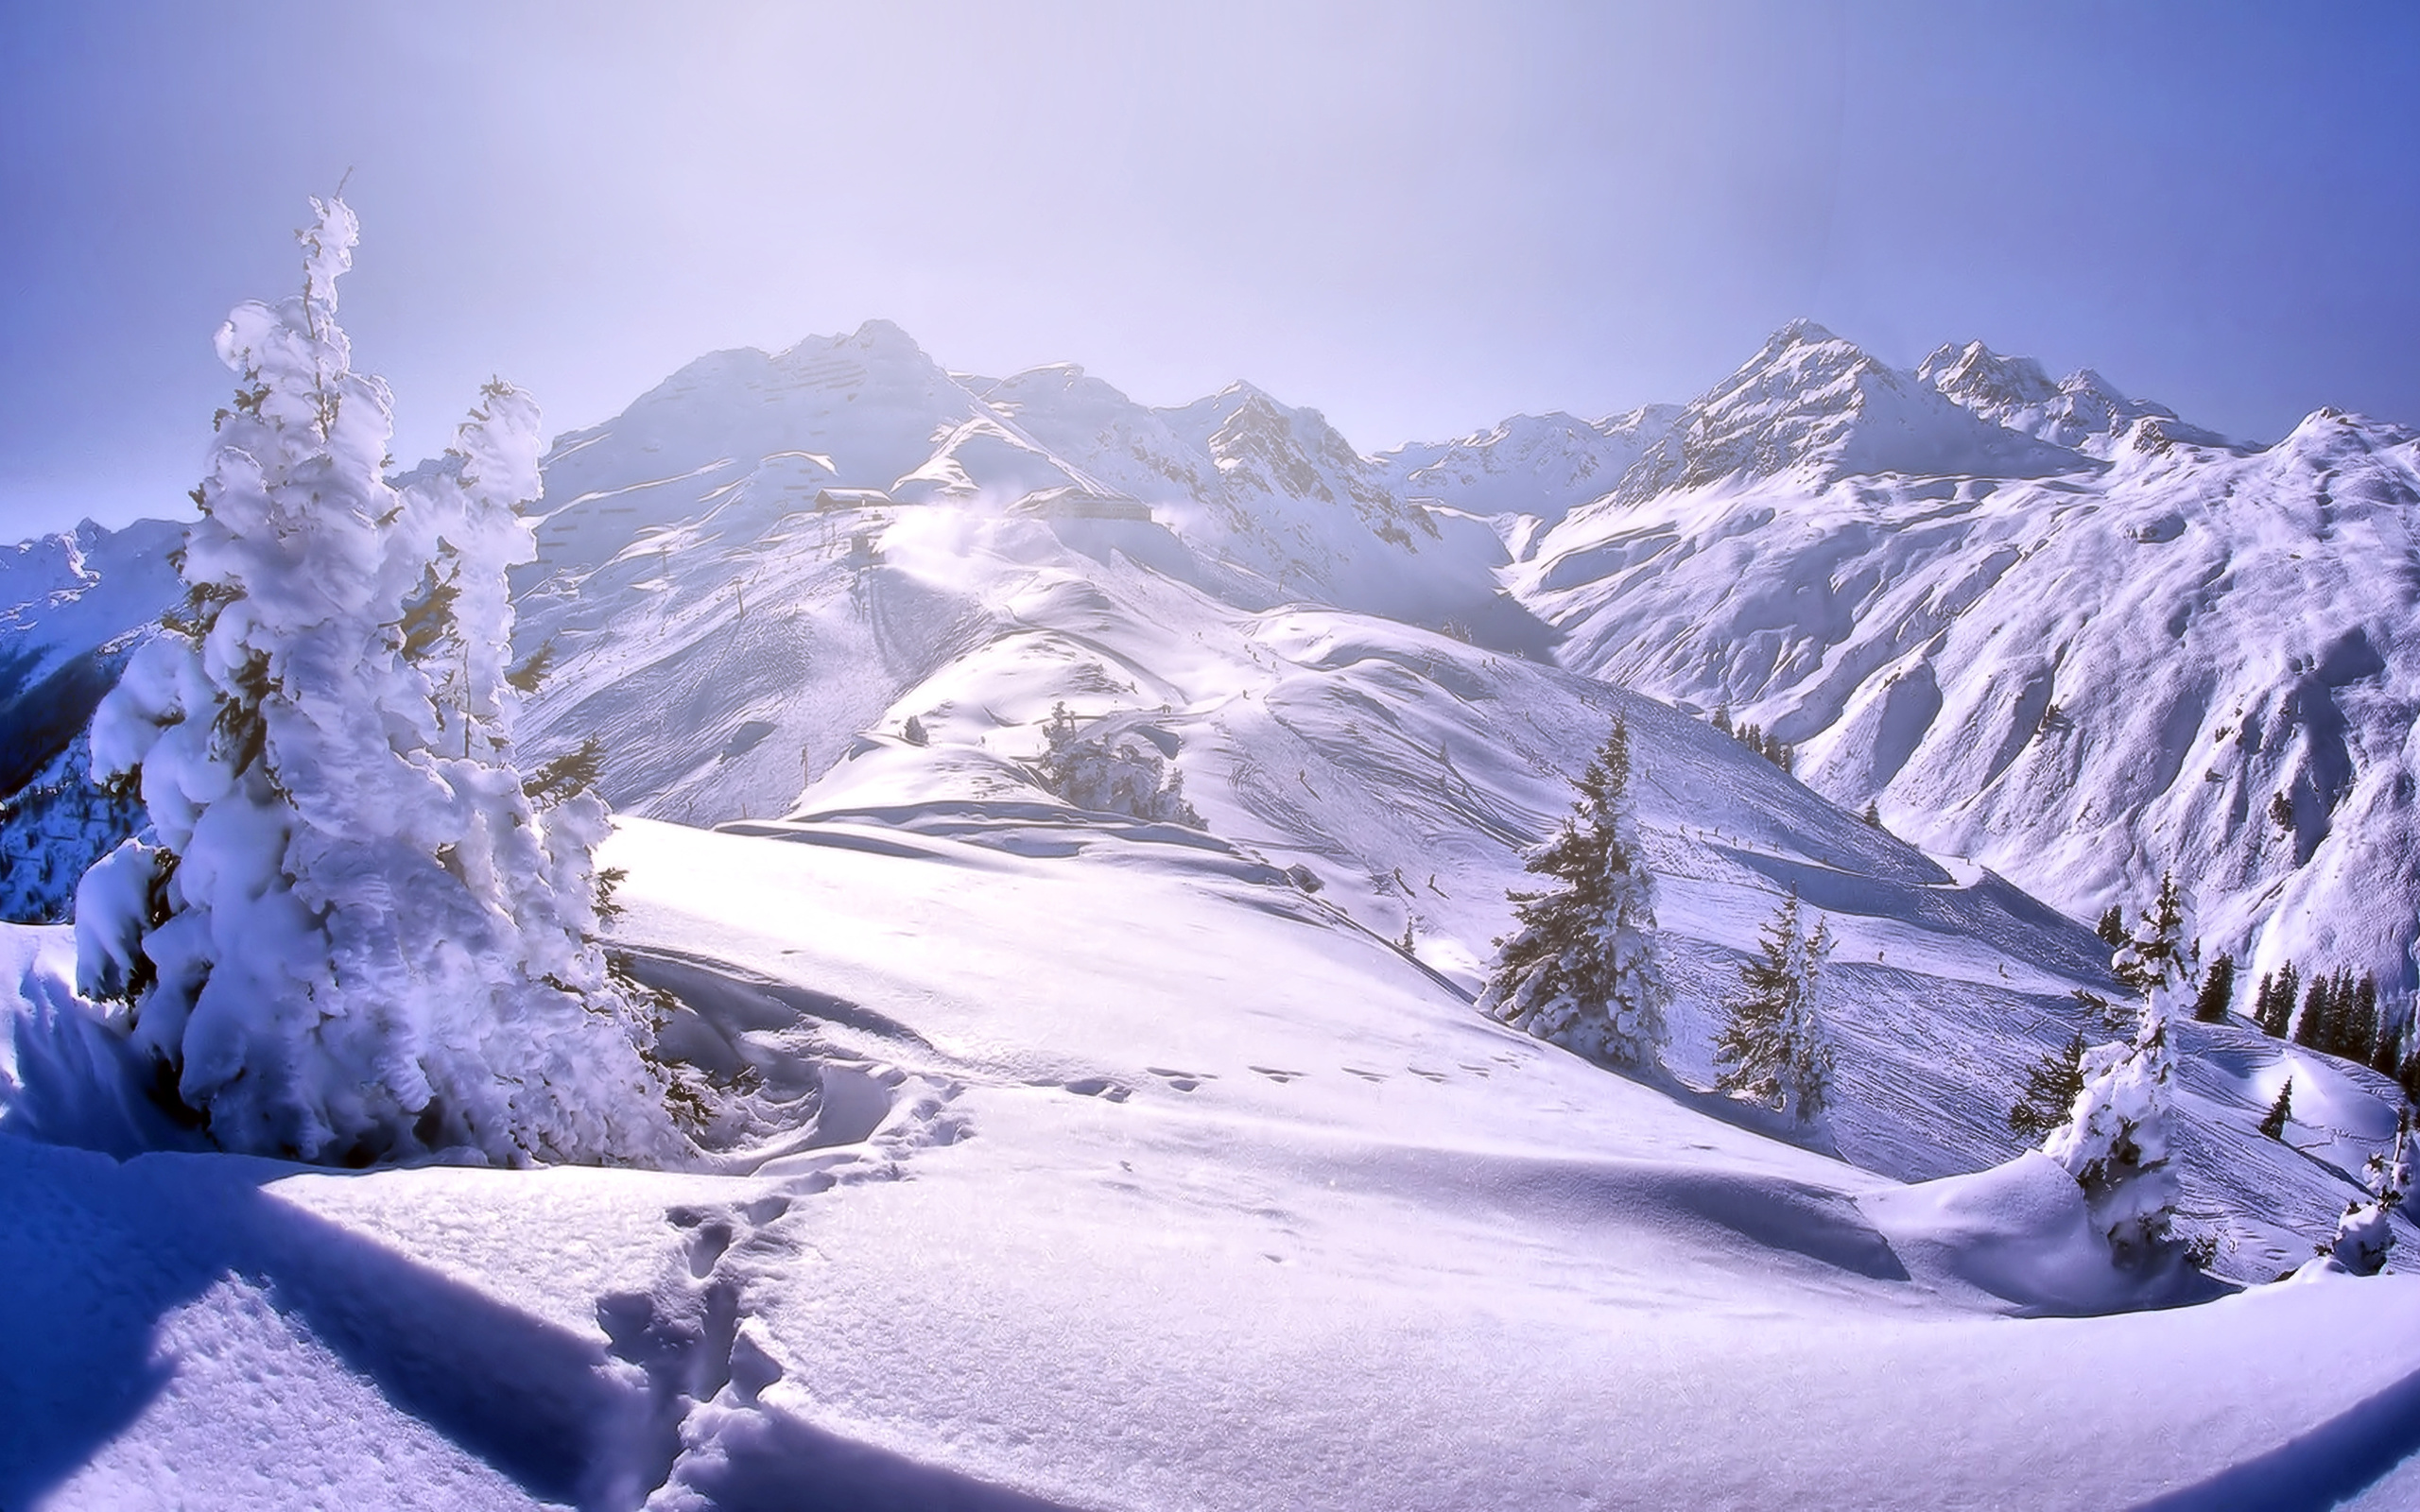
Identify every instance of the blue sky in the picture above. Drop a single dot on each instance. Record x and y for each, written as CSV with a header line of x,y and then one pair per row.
x,y
1420,218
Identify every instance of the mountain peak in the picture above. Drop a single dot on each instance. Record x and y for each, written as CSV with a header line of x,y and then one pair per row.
x,y
1809,399
1974,375
2084,411
885,337
1801,333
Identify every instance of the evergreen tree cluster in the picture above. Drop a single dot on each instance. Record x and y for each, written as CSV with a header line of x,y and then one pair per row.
x,y
2272,1002
1110,774
2340,1016
2111,928
1756,738
52,829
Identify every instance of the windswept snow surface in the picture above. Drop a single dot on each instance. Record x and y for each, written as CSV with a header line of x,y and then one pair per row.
x,y
1247,1210
1059,1159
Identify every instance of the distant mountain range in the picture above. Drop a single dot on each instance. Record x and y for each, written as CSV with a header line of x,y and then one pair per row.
x,y
2037,622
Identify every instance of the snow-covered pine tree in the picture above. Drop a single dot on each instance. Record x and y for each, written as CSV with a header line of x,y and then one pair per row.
x,y
1583,969
2051,1087
2389,1172
1773,1048
1112,775
2111,928
356,937
2115,1141
2366,1232
2363,1236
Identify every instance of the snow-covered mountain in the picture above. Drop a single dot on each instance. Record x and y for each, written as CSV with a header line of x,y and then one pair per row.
x,y
734,626
2082,650
1537,466
1061,1158
73,606
682,537
2081,411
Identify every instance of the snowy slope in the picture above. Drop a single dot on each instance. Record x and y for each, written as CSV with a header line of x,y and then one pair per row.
x,y
1403,769
1243,1210
73,606
1062,1159
2076,671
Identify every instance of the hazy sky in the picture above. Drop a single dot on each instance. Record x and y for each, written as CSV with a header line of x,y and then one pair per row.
x,y
1419,219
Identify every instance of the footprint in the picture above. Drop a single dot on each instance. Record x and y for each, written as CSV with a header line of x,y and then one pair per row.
x,y
1280,1078
1097,1087
707,1243
1184,1081
1432,1076
764,1210
1475,1070
1367,1075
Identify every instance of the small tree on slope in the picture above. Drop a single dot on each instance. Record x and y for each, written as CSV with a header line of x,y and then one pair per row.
x,y
2273,1123
1775,1049
1584,969
2115,1141
358,936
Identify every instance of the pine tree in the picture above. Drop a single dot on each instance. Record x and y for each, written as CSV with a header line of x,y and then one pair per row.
x,y
357,937
2218,990
2394,1021
2274,1123
1774,1049
2388,1173
2361,1015
2111,928
1583,969
2051,1087
2363,1236
2317,1027
2154,953
2273,1007
1873,815
2114,1141
1109,774
2366,1233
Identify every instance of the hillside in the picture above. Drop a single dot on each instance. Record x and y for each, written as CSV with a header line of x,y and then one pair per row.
x,y
1049,1155
2079,651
